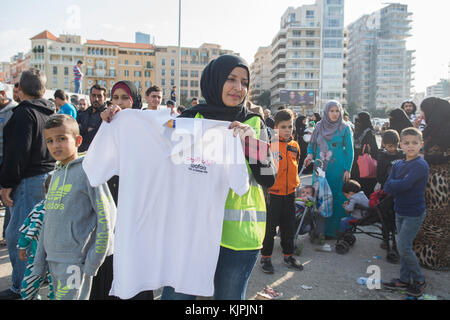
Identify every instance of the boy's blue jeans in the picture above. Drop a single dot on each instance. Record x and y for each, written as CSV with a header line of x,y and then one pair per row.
x,y
28,193
231,278
407,229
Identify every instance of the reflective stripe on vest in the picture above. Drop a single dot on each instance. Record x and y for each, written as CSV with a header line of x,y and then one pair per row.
x,y
244,222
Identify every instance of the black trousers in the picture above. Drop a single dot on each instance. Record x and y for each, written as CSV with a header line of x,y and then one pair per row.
x,y
280,212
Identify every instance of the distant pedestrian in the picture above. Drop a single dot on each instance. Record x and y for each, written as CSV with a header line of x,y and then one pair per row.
x,y
62,104
173,94
82,105
78,77
399,120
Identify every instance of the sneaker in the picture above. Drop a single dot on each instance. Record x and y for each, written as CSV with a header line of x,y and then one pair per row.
x,y
416,289
292,263
266,265
8,294
396,284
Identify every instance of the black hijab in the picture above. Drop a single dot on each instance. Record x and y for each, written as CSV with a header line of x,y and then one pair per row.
x,y
437,118
362,123
398,120
318,117
133,91
300,126
213,79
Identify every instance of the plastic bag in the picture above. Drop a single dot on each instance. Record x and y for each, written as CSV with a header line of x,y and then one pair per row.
x,y
325,196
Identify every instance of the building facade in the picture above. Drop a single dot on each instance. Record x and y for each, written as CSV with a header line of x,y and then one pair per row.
x,y
308,53
56,56
439,90
193,61
379,65
260,72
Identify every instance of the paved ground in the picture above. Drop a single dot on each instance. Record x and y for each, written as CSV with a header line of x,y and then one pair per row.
x,y
331,276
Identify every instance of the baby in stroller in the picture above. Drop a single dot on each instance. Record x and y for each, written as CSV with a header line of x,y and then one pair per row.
x,y
356,206
305,214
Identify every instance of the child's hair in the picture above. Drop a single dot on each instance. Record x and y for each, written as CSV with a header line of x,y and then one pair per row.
x,y
390,137
283,115
351,186
59,120
411,132
309,187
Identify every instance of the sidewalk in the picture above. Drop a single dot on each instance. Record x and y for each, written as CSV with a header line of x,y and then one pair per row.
x,y
331,276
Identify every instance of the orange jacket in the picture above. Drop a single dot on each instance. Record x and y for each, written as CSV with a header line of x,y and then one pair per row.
x,y
286,156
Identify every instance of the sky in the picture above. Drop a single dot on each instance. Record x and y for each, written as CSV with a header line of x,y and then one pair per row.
x,y
238,25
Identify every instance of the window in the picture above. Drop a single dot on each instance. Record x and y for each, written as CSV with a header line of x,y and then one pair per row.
x,y
163,82
194,83
310,14
148,84
138,73
137,63
183,83
184,73
296,33
194,93
147,74
126,73
126,61
66,71
149,65
194,73
55,70
163,72
172,82
310,44
172,72
163,62
172,62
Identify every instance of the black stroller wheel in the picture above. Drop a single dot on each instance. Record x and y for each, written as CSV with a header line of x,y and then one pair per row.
x,y
342,247
350,239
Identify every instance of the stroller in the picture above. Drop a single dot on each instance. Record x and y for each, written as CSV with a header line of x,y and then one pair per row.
x,y
382,216
306,217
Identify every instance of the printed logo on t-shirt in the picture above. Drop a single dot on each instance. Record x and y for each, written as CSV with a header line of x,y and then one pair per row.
x,y
55,195
199,165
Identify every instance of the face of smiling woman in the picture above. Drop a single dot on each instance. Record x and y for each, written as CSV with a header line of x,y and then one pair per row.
x,y
235,88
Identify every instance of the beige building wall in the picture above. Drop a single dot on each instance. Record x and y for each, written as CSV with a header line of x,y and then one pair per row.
x,y
57,57
193,61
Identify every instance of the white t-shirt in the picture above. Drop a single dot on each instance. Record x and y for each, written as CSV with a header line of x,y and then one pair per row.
x,y
171,197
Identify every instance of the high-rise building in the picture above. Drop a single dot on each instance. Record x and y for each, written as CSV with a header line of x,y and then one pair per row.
x,y
57,56
193,61
260,72
439,90
307,54
142,38
379,65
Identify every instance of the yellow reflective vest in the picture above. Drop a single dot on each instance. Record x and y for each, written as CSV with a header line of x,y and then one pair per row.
x,y
244,221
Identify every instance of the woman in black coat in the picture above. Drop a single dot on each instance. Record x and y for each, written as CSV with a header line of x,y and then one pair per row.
x,y
300,126
364,137
398,120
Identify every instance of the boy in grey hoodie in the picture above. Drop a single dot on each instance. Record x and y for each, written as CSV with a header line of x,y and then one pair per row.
x,y
357,204
77,233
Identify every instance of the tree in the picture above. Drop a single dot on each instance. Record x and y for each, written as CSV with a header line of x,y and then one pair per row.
x,y
263,99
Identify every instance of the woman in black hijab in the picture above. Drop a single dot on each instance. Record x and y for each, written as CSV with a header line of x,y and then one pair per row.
x,y
432,243
224,84
398,120
364,139
316,117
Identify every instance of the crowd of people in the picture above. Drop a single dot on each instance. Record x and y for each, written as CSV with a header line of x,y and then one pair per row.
x,y
61,205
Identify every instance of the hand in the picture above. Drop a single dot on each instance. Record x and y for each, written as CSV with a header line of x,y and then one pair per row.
x,y
243,130
6,197
308,160
346,176
23,254
418,121
109,113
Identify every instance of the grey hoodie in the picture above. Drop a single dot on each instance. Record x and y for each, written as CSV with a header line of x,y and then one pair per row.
x,y
358,205
79,221
5,114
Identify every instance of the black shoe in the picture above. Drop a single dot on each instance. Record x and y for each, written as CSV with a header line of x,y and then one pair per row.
x,y
266,265
9,295
292,263
416,289
396,284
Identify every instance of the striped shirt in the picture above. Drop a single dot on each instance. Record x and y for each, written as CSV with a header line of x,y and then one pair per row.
x,y
77,73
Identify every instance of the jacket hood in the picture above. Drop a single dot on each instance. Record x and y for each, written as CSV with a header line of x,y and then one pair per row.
x,y
42,105
60,166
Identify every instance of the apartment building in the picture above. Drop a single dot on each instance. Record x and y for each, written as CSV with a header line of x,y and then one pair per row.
x,y
260,72
308,54
380,66
193,61
110,61
56,56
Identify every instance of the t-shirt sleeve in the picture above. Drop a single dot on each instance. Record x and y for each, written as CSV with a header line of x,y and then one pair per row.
x,y
236,168
102,159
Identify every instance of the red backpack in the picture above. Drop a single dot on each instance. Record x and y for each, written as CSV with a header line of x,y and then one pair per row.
x,y
376,197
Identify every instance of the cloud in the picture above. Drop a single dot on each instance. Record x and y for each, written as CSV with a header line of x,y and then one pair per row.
x,y
111,27
13,41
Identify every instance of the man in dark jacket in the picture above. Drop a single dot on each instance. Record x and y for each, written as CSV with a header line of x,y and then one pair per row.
x,y
90,120
25,166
